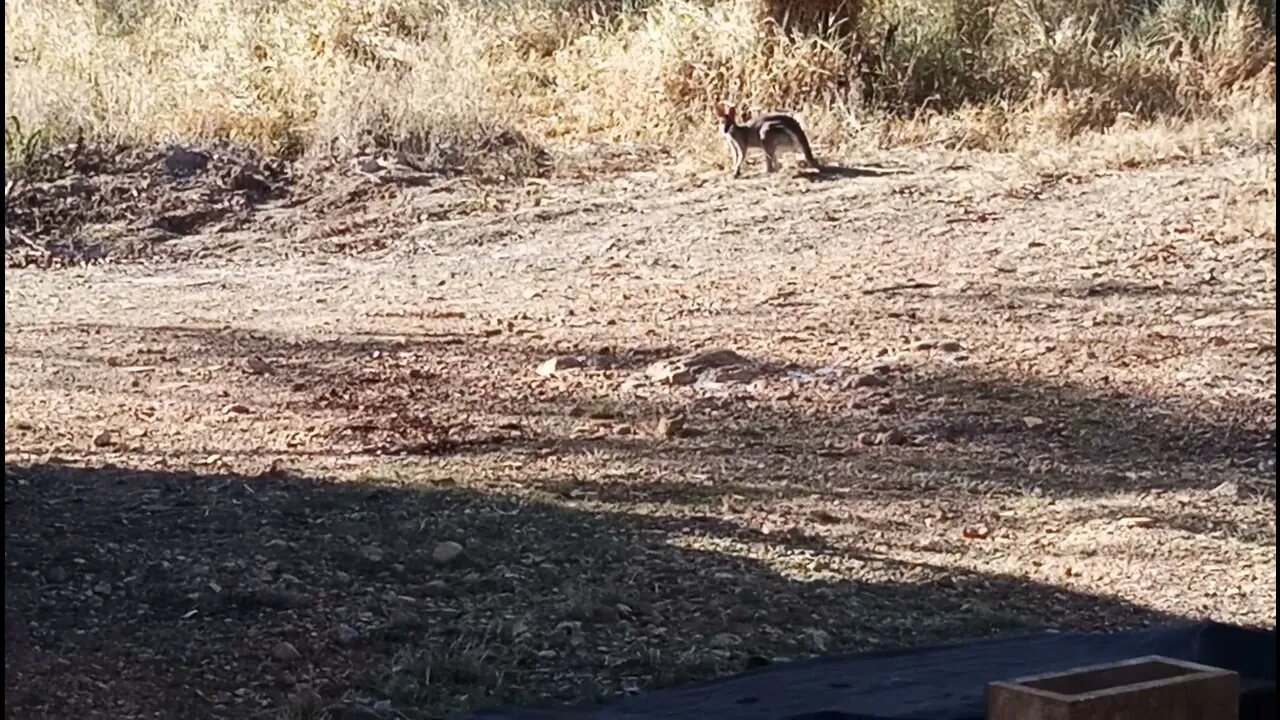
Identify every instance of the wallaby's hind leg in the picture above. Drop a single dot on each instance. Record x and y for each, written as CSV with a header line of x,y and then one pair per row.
x,y
770,161
770,147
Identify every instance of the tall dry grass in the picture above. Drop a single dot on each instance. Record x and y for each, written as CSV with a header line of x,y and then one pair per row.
x,y
485,82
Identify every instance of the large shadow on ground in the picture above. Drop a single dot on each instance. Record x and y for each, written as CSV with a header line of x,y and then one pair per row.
x,y
136,592
932,423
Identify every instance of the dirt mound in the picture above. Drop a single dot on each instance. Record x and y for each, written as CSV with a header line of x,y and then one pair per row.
x,y
94,203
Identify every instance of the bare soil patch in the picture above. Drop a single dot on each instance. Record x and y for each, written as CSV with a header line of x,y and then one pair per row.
x,y
965,400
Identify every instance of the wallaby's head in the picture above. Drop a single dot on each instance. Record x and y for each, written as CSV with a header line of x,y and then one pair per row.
x,y
727,115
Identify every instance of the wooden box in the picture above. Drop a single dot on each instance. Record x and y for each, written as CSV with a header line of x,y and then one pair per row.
x,y
1145,688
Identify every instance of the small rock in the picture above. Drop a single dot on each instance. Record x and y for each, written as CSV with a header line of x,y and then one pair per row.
x,y
724,641
924,345
347,635
102,588
1226,489
104,439
547,654
606,613
826,517
250,183
679,377
669,427
950,346
56,574
446,552
372,553
285,651
891,437
818,641
184,162
732,374
405,620
237,409
368,164
435,588
870,380
559,364
1032,422
257,366
867,438
684,370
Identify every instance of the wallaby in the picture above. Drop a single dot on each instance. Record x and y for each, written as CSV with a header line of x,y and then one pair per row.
x,y
770,133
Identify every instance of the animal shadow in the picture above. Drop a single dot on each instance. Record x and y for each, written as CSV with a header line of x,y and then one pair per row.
x,y
827,173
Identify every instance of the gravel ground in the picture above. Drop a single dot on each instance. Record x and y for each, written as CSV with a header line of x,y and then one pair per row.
x,y
382,445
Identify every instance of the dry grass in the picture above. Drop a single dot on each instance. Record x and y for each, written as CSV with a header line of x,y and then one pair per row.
x,y
449,79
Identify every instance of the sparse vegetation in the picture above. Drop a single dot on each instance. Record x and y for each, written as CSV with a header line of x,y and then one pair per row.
x,y
476,82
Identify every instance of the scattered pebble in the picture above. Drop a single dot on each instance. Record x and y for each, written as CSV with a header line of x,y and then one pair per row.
x,y
870,380
185,162
257,366
436,588
818,641
724,641
1226,489
446,552
669,427
285,651
892,437
346,635
559,364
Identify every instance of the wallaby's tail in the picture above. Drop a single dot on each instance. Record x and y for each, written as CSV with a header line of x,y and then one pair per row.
x,y
803,141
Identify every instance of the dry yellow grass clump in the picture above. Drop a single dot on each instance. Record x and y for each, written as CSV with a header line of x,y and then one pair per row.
x,y
448,78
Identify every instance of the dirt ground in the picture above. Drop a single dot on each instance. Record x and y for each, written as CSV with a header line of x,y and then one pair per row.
x,y
393,443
